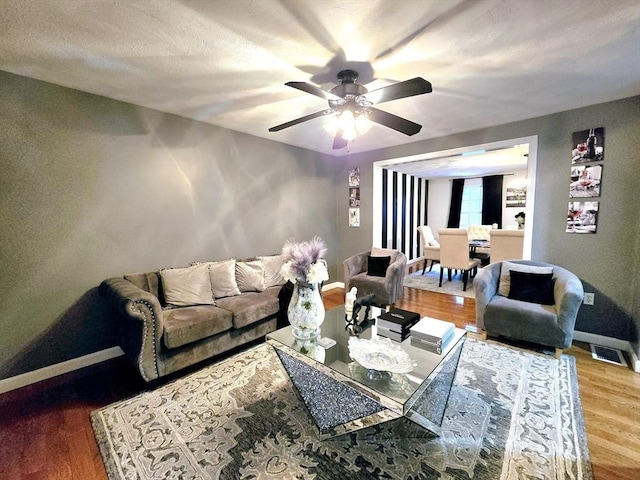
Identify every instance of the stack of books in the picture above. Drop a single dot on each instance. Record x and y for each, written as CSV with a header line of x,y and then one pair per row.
x,y
431,334
396,324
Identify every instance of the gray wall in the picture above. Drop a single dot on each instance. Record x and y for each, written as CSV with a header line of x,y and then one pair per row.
x,y
607,262
92,188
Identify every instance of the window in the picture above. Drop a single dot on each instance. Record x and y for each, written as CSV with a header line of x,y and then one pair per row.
x,y
471,210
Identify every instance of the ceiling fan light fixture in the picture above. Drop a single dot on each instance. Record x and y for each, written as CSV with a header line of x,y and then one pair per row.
x,y
350,125
363,124
347,124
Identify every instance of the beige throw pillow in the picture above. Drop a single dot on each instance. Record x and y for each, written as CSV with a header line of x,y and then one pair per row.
x,y
250,276
223,278
504,284
385,252
187,286
272,265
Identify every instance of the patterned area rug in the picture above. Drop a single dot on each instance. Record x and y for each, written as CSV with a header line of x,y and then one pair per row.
x,y
429,281
512,414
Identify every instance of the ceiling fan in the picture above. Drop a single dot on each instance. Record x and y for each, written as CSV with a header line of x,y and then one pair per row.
x,y
351,104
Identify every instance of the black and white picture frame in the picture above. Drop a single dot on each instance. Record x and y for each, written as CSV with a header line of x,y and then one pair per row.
x,y
585,181
354,177
354,196
516,197
588,146
354,217
582,217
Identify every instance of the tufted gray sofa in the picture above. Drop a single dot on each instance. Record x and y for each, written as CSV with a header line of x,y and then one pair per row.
x,y
159,340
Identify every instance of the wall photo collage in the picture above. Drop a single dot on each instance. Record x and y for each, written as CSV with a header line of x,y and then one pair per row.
x,y
587,157
354,197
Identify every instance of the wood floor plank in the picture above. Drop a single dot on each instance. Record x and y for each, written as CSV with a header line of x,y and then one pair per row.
x,y
46,433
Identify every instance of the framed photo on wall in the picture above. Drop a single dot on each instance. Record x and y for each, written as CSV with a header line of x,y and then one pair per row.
x,y
354,217
354,177
582,217
516,197
585,181
354,196
588,146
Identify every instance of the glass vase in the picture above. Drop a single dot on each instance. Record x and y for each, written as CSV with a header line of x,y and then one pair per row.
x,y
306,311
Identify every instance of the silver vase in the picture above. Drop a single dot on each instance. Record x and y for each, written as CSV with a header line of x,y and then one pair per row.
x,y
306,311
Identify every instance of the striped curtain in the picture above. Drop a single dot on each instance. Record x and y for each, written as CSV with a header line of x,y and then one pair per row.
x,y
404,209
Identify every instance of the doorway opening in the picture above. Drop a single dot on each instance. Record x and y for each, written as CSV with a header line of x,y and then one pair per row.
x,y
445,164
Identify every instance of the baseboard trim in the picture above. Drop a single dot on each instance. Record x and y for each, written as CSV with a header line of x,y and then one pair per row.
x,y
28,378
331,286
611,343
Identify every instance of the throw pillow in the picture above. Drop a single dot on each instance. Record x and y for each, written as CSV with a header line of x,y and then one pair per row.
x,y
223,278
250,276
187,286
532,287
377,266
384,252
272,265
505,280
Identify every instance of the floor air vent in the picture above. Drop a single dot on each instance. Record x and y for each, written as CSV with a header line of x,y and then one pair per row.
x,y
606,354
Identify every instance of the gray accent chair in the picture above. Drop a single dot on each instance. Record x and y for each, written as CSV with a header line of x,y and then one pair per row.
x,y
549,325
388,289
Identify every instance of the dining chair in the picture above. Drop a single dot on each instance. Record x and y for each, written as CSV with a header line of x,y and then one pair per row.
x,y
481,232
454,254
430,247
506,245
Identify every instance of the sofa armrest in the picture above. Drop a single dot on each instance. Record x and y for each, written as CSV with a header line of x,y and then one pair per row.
x,y
485,285
568,294
142,327
394,279
353,266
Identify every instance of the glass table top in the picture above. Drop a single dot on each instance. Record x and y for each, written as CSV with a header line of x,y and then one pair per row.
x,y
420,395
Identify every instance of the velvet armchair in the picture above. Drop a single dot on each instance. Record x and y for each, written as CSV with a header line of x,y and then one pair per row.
x,y
372,277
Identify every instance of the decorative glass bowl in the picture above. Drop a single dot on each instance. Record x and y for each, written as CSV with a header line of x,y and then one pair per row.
x,y
380,354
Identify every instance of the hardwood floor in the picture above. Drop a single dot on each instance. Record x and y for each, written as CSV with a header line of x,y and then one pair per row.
x,y
46,433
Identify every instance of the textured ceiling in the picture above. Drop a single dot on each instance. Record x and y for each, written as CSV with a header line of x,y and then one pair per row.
x,y
226,62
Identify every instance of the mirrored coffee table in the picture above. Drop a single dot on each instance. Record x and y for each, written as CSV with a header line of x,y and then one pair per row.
x,y
342,396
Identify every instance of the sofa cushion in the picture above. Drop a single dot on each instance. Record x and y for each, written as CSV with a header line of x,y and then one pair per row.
x,y
250,276
223,278
187,286
367,284
532,322
189,324
272,265
250,307
504,283
532,287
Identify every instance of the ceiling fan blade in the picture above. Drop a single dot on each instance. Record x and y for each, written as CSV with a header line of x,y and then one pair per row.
x,y
313,90
408,88
291,123
338,141
393,121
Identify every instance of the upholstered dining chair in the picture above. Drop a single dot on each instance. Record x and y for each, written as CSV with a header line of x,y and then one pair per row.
x,y
379,271
430,247
506,245
454,254
481,232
